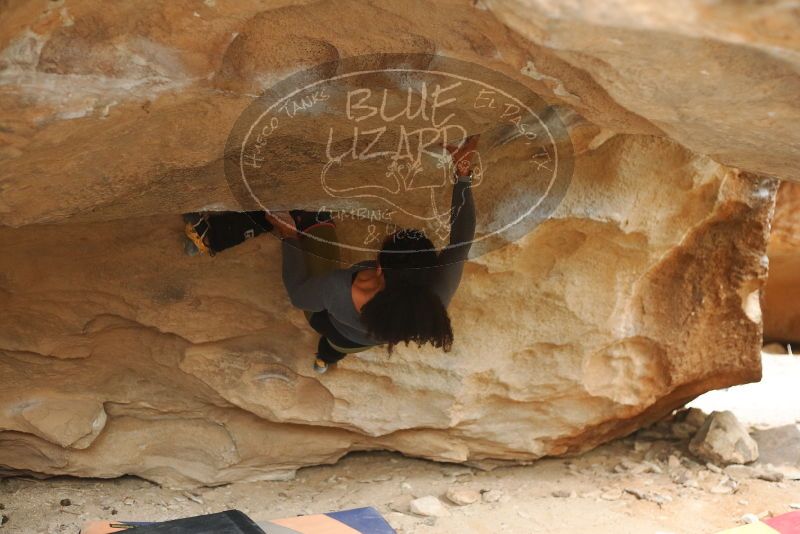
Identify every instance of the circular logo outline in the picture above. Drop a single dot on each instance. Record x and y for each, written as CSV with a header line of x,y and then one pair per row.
x,y
559,159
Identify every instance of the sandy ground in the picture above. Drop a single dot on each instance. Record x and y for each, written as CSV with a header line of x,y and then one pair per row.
x,y
583,494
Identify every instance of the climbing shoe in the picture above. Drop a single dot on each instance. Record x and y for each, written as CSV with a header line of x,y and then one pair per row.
x,y
196,230
320,366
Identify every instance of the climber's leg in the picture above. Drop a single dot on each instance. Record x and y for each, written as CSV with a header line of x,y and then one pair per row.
x,y
333,346
215,232
231,228
326,355
318,241
322,254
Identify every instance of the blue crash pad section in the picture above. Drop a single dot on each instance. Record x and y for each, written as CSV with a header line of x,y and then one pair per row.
x,y
365,520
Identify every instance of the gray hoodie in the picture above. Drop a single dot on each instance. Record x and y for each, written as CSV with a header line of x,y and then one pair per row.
x,y
332,291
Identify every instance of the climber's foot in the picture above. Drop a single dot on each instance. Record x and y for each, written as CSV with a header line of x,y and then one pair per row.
x,y
196,228
320,366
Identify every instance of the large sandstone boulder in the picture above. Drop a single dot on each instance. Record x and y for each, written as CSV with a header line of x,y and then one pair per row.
x,y
110,96
720,77
121,355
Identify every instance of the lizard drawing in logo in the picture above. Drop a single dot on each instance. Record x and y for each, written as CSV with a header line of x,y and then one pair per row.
x,y
416,185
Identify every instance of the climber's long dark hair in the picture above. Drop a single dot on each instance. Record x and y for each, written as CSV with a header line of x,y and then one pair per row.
x,y
406,309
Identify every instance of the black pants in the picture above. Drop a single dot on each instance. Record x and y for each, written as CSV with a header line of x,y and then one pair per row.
x,y
321,322
227,229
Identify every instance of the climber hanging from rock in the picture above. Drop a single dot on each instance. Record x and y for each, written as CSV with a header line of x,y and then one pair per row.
x,y
400,297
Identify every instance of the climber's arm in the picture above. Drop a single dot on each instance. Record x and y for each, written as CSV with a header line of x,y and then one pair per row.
x,y
305,292
462,232
462,220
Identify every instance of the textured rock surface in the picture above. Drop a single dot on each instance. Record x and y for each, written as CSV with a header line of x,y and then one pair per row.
x,y
429,506
724,440
637,296
138,74
120,355
720,77
462,496
779,446
782,295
